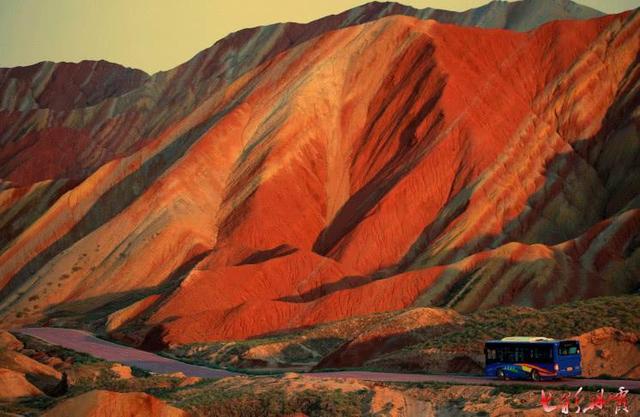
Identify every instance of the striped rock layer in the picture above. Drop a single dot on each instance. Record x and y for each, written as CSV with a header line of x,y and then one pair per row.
x,y
297,174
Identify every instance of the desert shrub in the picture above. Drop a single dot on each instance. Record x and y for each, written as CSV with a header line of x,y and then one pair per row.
x,y
139,372
296,353
512,389
274,403
40,402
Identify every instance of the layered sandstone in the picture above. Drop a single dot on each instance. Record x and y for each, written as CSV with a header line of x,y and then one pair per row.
x,y
276,181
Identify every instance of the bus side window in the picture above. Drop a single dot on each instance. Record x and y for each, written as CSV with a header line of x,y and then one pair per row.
x,y
531,356
543,354
519,352
509,354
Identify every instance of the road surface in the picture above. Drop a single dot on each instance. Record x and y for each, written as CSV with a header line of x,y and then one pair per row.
x,y
85,342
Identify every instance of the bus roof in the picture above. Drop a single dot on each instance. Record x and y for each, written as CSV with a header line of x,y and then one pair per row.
x,y
525,339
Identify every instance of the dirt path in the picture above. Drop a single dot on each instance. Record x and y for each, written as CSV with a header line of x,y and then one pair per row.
x,y
81,341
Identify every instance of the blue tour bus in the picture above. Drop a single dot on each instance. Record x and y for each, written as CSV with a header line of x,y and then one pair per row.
x,y
533,358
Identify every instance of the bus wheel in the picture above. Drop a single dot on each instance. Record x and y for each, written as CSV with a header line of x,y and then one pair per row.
x,y
535,376
502,375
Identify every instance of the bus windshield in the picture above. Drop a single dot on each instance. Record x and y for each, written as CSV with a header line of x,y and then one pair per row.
x,y
569,347
516,352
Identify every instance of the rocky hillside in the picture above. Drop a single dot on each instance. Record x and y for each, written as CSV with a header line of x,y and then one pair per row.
x,y
437,340
297,174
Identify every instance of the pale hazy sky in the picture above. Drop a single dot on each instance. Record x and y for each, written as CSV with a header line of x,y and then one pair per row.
x,y
157,35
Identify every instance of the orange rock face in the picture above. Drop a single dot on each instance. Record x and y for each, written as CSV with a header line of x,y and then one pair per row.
x,y
22,376
115,404
120,317
15,385
370,168
609,351
20,363
9,341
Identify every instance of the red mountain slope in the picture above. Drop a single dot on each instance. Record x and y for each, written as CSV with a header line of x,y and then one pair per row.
x,y
399,162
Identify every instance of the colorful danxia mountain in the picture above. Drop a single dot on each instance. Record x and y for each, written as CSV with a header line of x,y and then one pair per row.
x,y
293,175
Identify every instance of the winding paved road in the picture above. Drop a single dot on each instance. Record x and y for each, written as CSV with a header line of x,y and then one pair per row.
x,y
85,342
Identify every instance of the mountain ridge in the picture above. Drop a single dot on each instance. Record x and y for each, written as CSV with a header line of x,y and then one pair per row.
x,y
474,168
